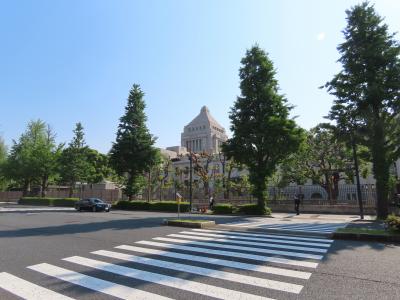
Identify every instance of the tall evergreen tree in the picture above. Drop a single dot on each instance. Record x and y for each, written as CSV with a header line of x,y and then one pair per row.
x,y
74,166
367,92
263,133
133,152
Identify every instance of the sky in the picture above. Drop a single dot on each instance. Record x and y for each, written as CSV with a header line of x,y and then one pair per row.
x,y
72,61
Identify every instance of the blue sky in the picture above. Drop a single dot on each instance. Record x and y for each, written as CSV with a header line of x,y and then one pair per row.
x,y
70,61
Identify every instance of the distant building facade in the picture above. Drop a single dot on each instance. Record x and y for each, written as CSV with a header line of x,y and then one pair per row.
x,y
203,134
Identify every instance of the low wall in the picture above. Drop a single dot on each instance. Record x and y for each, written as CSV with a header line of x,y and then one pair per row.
x,y
333,209
10,196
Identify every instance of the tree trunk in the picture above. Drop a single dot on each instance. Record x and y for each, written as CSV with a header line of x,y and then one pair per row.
x,y
381,173
45,179
258,181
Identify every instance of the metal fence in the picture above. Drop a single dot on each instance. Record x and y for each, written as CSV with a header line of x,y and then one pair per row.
x,y
344,194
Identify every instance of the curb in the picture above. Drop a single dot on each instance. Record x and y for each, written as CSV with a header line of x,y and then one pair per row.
x,y
206,224
365,237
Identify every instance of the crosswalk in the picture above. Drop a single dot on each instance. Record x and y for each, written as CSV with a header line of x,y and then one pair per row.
x,y
307,227
191,264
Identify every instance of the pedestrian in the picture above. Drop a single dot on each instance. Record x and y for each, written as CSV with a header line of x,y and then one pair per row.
x,y
211,202
297,204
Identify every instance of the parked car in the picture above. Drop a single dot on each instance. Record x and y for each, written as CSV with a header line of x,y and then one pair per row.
x,y
92,204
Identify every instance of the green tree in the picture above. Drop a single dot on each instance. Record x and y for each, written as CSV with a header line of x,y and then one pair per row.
x,y
74,165
323,158
32,159
367,91
133,153
263,133
3,161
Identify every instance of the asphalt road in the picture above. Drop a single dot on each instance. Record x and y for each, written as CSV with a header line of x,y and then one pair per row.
x,y
35,245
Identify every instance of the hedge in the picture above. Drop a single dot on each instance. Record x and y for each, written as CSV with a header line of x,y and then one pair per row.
x,y
169,206
222,209
393,222
251,209
69,202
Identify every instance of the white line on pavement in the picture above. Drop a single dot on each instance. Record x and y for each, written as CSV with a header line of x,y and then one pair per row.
x,y
280,241
239,278
99,285
220,262
234,240
278,260
26,289
285,237
174,282
242,248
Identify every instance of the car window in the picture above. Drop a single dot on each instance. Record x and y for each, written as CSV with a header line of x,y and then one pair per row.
x,y
98,201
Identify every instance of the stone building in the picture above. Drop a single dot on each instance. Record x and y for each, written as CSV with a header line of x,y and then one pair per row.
x,y
203,134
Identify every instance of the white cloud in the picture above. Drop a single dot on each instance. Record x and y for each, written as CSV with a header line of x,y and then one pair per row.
x,y
321,36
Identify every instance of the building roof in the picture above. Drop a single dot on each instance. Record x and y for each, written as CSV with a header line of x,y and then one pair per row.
x,y
204,117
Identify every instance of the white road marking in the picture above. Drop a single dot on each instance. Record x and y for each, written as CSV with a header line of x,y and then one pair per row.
x,y
242,248
220,262
99,285
274,240
233,254
239,278
26,289
284,237
234,240
174,282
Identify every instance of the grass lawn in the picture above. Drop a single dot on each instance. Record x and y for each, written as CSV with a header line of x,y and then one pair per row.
x,y
369,231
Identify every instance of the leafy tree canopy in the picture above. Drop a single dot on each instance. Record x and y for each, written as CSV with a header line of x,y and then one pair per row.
x,y
263,133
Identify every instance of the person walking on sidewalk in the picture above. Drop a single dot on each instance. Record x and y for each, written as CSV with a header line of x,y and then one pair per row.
x,y
297,204
297,199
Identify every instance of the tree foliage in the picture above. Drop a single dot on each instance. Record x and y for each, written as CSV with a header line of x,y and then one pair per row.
x,y
3,160
367,91
322,158
33,159
74,165
133,152
263,133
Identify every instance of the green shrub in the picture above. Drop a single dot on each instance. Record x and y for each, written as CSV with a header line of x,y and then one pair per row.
x,y
34,201
68,202
47,201
252,209
169,206
132,205
393,222
222,209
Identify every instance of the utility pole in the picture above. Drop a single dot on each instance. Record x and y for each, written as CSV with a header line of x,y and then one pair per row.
x,y
190,180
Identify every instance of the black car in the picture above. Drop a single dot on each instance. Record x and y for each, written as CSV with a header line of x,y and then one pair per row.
x,y
92,204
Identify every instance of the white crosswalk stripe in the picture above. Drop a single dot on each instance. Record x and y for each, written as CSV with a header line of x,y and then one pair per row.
x,y
256,257
269,284
175,282
103,286
243,248
281,237
234,240
199,253
273,240
301,227
27,290
220,262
